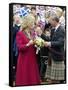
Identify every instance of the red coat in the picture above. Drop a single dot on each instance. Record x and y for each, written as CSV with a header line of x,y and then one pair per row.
x,y
27,68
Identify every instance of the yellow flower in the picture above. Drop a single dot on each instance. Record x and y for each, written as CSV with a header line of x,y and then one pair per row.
x,y
39,42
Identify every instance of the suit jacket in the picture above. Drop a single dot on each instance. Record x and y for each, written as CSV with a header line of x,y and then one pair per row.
x,y
14,31
57,43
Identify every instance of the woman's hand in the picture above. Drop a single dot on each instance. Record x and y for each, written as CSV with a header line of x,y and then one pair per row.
x,y
29,43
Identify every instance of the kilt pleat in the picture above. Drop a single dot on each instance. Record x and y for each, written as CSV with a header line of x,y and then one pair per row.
x,y
56,71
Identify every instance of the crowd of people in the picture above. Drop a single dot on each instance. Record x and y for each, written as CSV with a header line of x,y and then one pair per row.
x,y
38,37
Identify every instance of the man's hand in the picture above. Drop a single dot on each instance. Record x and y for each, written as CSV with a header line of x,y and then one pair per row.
x,y
47,44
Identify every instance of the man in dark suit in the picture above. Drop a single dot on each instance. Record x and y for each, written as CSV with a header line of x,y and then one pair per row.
x,y
56,48
14,51
56,41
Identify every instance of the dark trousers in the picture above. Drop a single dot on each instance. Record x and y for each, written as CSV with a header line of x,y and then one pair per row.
x,y
14,65
43,66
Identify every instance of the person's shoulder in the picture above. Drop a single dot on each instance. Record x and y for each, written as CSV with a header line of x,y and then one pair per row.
x,y
61,27
20,34
61,30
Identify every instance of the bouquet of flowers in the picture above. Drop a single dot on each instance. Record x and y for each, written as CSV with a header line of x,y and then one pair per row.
x,y
39,42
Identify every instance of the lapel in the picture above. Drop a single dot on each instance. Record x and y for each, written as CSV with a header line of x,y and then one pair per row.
x,y
55,34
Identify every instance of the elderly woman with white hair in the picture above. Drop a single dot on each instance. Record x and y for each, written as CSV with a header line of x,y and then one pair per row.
x,y
27,68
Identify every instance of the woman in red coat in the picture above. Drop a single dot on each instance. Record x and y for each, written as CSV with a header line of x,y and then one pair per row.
x,y
27,68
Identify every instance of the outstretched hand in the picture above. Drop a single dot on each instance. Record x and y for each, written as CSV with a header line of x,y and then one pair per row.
x,y
47,44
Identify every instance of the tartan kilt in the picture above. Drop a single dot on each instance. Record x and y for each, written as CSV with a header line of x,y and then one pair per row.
x,y
55,71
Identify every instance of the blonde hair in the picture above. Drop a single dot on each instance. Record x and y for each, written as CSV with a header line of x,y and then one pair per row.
x,y
59,12
27,20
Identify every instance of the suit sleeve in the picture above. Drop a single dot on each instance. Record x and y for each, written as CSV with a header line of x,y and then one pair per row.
x,y
60,40
46,38
20,42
